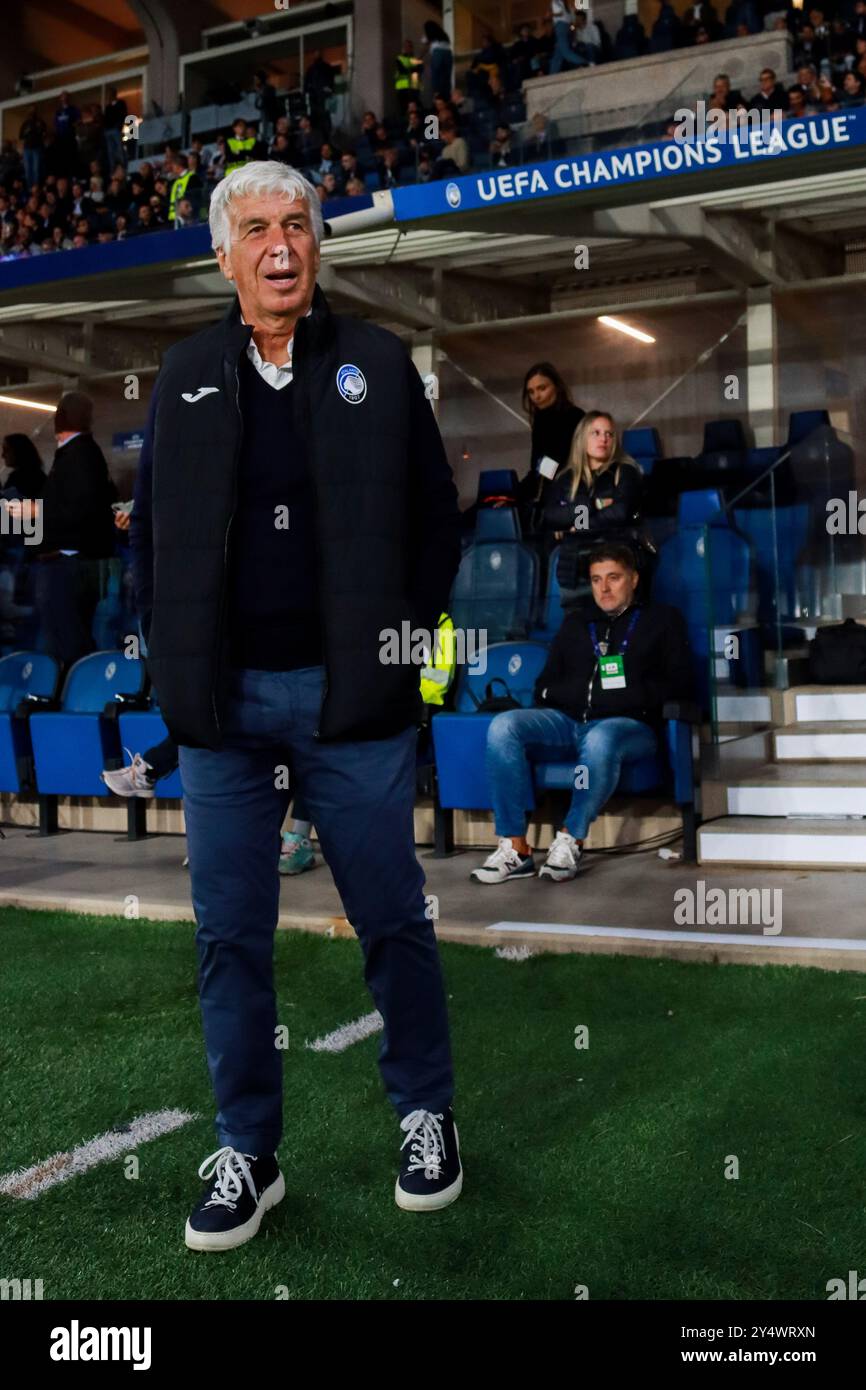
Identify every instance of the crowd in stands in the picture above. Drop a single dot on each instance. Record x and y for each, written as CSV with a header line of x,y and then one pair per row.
x,y
68,185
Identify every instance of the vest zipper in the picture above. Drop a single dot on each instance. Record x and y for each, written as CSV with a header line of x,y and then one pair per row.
x,y
302,384
238,448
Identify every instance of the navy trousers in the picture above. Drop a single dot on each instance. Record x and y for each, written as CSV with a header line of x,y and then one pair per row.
x,y
360,797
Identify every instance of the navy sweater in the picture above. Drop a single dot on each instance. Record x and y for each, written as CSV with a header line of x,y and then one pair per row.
x,y
273,610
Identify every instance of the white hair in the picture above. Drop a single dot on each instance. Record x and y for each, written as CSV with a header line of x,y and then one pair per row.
x,y
261,176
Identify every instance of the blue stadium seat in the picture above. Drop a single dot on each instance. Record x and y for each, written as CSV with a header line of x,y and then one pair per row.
x,y
704,506
28,677
723,436
495,590
71,746
496,482
644,446
706,572
497,524
552,612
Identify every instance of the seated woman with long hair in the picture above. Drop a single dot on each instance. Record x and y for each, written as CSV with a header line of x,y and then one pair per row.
x,y
596,497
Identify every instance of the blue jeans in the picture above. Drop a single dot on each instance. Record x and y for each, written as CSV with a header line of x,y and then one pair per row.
x,y
360,797
517,737
32,168
563,52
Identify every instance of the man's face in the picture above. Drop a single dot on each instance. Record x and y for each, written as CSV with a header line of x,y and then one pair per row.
x,y
721,87
613,584
766,82
272,256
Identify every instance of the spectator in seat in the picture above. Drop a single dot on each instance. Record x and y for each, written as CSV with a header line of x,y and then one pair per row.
x,y
701,16
828,97
121,227
77,532
522,62
852,89
553,418
807,81
599,699
630,41
441,58
308,143
328,162
808,48
280,149
596,496
587,35
727,98
502,151
354,188
563,53
454,154
184,214
666,29
144,223
771,95
240,145
348,168
797,104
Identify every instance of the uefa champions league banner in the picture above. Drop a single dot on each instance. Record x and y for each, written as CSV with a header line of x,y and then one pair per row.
x,y
636,164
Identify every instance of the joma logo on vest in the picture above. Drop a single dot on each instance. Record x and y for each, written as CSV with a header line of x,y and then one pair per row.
x,y
17,1289
737,907
76,1343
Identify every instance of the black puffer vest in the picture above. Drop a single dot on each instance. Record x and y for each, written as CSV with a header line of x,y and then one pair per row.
x,y
357,432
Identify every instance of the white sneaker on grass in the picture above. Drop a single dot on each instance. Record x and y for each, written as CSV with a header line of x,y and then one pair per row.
x,y
503,864
563,858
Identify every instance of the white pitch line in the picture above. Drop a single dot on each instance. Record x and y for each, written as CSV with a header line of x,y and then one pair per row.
x,y
349,1033
830,943
32,1182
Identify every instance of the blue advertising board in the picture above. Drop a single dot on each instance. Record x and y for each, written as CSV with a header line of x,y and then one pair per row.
x,y
659,159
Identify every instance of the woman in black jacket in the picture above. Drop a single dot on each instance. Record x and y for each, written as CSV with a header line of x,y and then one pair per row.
x,y
554,418
596,497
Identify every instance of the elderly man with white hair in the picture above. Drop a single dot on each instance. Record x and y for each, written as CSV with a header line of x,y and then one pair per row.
x,y
293,503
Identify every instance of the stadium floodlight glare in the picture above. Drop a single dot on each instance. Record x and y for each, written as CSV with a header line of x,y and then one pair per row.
x,y
27,405
625,328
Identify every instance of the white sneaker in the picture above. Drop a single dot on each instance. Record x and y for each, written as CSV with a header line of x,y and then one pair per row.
x,y
562,859
504,863
132,780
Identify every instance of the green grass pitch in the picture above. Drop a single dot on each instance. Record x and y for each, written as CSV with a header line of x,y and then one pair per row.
x,y
602,1167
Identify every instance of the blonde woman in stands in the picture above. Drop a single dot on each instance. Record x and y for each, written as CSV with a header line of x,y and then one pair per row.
x,y
596,497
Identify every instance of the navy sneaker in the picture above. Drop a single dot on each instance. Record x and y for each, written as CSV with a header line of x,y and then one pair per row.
x,y
230,1212
431,1175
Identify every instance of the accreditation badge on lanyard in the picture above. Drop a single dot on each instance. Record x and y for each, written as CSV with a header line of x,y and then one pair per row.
x,y
611,666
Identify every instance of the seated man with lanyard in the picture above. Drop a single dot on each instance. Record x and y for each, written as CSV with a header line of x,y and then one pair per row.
x,y
610,670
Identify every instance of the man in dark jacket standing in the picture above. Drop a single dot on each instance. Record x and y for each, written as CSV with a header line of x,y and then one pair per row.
x,y
294,506
77,532
599,700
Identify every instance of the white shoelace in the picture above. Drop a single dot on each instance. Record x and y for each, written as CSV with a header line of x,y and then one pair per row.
x,y
505,856
426,1146
563,852
232,1171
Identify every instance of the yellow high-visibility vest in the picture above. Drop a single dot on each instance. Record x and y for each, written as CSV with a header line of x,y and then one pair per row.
x,y
239,147
408,73
178,189
437,675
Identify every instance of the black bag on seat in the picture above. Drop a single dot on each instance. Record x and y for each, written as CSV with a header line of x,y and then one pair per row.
x,y
837,655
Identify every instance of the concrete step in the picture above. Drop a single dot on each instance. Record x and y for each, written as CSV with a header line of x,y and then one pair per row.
x,y
778,843
814,704
830,742
735,708
800,789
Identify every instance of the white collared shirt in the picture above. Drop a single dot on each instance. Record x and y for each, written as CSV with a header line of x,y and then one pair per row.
x,y
276,376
